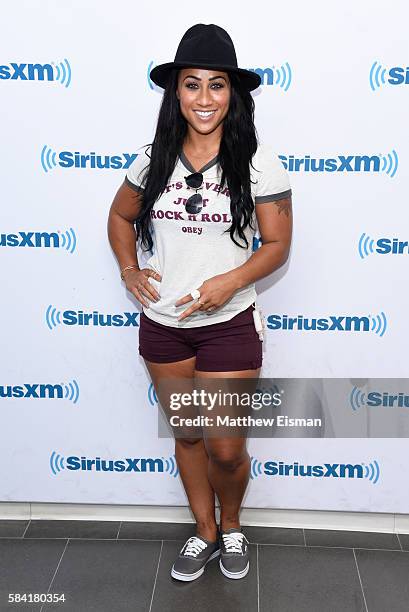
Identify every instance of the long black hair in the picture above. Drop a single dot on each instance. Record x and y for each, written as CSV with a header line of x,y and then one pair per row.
x,y
238,144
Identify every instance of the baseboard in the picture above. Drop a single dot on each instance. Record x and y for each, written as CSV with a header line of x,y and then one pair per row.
x,y
307,519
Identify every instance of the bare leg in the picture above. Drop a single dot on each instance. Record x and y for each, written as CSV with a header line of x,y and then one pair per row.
x,y
191,456
229,463
229,469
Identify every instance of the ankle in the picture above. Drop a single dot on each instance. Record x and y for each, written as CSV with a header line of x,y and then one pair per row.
x,y
229,523
208,531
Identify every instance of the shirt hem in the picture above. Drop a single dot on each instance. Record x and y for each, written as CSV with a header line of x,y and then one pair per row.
x,y
210,319
132,185
273,197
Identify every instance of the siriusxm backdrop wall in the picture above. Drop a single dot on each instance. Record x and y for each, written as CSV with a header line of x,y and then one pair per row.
x,y
76,103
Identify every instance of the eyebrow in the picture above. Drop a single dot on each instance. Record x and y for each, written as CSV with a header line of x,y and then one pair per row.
x,y
192,76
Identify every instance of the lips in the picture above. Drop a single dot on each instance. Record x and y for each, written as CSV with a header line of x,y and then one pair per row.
x,y
204,114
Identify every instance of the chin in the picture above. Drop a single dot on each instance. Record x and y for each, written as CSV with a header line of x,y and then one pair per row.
x,y
204,129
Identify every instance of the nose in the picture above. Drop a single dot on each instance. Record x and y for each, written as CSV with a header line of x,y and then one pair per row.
x,y
204,96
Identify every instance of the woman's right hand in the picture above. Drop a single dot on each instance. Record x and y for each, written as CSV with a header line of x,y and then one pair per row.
x,y
137,282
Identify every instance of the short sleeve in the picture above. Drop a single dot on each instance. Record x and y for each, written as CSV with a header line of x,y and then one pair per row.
x,y
136,172
271,178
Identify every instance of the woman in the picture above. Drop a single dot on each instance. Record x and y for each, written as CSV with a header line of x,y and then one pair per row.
x,y
194,197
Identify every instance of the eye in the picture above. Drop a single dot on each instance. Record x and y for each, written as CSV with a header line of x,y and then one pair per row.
x,y
191,85
218,85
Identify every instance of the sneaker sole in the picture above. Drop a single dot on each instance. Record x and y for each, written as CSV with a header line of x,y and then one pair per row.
x,y
189,577
234,575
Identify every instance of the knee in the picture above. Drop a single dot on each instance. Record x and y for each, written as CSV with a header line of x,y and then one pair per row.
x,y
187,443
227,459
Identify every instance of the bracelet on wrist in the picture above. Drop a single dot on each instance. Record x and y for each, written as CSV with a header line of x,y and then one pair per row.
x,y
127,268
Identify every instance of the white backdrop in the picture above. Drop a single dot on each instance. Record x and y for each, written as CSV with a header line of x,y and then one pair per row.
x,y
73,82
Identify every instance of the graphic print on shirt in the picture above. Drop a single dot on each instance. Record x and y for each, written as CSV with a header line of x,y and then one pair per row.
x,y
204,216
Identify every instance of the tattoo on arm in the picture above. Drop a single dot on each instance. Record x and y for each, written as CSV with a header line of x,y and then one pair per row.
x,y
284,205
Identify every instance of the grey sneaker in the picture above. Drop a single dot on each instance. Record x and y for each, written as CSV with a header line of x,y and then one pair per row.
x,y
193,557
234,553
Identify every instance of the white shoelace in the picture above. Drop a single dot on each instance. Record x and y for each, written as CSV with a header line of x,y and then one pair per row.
x,y
194,546
234,541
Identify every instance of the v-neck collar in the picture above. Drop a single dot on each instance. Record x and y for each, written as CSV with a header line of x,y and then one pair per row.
x,y
189,166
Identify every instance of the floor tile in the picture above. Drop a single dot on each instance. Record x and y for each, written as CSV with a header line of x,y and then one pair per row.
x,y
101,573
351,539
385,580
10,528
274,535
72,529
308,580
157,531
212,591
106,576
27,567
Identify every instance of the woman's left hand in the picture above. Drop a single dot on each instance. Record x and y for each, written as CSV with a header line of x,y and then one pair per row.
x,y
214,292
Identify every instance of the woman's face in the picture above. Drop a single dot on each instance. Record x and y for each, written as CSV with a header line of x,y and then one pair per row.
x,y
204,97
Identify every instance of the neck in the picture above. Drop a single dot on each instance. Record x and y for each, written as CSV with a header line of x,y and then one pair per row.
x,y
203,143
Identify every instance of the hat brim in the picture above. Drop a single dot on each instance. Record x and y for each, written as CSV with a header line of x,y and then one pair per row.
x,y
160,74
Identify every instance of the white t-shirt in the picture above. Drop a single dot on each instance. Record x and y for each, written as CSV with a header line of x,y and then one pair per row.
x,y
189,249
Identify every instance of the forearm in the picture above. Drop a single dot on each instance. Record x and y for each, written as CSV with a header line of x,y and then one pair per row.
x,y
268,258
122,238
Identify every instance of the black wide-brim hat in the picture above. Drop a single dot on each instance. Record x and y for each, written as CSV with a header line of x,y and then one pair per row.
x,y
205,46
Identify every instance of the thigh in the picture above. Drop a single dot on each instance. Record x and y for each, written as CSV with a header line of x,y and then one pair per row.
x,y
182,373
234,444
177,369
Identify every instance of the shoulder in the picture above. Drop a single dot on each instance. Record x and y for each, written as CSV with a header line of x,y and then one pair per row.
x,y
140,163
141,157
271,180
266,156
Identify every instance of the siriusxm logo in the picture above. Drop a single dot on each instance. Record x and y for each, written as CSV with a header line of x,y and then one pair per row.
x,y
128,464
326,470
376,324
60,72
358,399
68,391
256,243
56,240
280,76
343,163
151,84
67,159
383,246
379,76
54,317
152,397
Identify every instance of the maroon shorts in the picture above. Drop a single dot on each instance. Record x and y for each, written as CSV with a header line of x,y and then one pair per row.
x,y
221,347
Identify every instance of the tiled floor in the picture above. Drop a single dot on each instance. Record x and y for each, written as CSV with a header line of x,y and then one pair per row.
x,y
108,566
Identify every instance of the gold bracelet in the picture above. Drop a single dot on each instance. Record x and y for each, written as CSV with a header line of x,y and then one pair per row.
x,y
127,268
